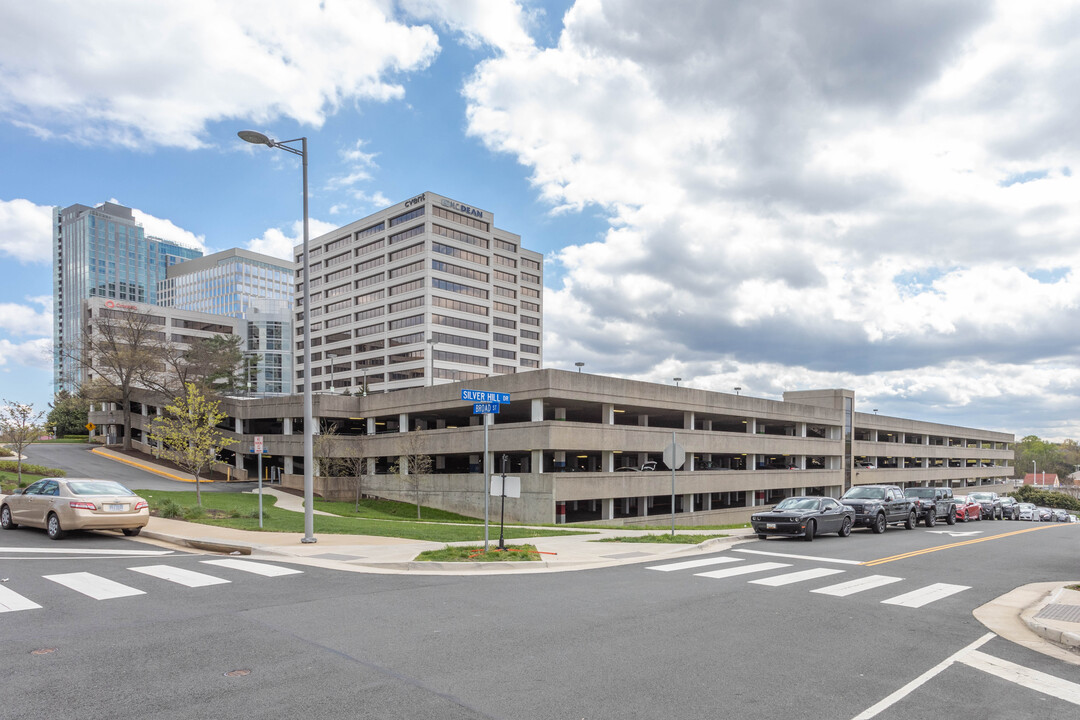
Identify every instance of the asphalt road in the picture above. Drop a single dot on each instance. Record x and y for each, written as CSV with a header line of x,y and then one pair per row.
x,y
623,642
77,461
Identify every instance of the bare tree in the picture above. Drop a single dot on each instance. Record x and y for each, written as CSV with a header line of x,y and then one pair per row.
x,y
20,426
412,464
214,364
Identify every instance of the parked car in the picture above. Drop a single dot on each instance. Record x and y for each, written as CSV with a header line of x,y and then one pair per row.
x,y
1010,508
932,503
991,504
1061,516
1027,511
62,504
879,505
1072,518
804,517
967,508
1046,514
645,467
865,465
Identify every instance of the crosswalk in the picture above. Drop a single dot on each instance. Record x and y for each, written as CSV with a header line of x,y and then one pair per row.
x,y
776,575
99,587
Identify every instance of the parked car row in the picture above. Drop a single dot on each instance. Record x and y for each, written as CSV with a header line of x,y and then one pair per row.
x,y
878,506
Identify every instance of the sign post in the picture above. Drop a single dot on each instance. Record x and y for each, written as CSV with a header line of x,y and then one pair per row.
x,y
674,458
486,404
259,452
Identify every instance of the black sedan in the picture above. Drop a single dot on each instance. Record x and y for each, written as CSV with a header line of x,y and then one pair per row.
x,y
804,517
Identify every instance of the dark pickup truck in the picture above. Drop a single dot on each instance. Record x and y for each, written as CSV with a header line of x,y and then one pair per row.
x,y
876,506
933,504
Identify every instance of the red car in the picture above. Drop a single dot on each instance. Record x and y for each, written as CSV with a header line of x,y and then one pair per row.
x,y
967,509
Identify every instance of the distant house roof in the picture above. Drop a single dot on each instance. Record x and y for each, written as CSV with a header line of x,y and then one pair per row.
x,y
1042,479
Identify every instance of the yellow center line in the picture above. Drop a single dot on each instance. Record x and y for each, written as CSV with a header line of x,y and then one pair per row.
x,y
902,556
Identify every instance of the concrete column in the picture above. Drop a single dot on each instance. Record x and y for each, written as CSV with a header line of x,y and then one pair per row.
x,y
751,498
643,420
560,413
238,458
238,426
440,462
706,425
688,420
925,462
643,506
608,509
751,461
371,466
751,425
286,426
642,458
607,414
474,419
371,426
537,409
440,424
706,501
403,422
560,460
873,436
689,466
688,503
926,439
536,461
801,429
288,465
800,462
607,461
626,506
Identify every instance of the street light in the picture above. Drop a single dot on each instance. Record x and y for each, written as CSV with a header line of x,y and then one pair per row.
x,y
331,357
432,342
875,411
677,380
737,389
579,366
257,138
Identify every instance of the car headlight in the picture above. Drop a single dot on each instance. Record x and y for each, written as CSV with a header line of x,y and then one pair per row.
x,y
755,518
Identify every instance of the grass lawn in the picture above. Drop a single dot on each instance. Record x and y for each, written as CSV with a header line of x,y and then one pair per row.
x,y
666,528
276,520
668,539
475,553
66,439
390,510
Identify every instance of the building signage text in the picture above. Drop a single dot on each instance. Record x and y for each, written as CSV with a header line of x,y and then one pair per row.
x,y
484,396
464,209
121,306
418,200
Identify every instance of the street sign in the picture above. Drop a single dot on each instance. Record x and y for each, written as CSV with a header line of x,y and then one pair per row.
x,y
674,456
90,426
513,486
483,396
485,408
258,444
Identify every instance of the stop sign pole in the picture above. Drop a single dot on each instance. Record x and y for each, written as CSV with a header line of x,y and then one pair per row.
x,y
674,457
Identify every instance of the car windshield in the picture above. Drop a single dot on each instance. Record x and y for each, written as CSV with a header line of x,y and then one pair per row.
x,y
97,487
865,493
798,504
920,492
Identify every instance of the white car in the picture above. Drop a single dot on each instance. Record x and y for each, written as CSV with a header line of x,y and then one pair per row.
x,y
1027,511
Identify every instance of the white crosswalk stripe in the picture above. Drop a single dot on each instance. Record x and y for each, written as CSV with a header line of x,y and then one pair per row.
x,y
94,586
926,595
856,586
742,570
11,601
253,567
190,578
686,565
799,576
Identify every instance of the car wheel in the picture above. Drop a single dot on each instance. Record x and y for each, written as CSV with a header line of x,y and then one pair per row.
x,y
845,528
931,518
879,524
132,532
950,519
911,521
808,536
1001,514
978,516
52,526
761,537
5,519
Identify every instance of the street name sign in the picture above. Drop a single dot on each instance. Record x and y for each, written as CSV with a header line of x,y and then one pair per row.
x,y
483,396
485,407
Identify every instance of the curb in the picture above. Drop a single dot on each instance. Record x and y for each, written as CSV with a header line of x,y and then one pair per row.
x,y
1061,637
207,544
148,468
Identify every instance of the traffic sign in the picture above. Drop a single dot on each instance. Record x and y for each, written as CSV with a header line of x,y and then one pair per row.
x,y
513,486
258,445
674,456
90,426
483,396
485,407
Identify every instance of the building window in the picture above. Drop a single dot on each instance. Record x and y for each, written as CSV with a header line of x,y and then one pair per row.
x,y
530,292
407,287
508,262
503,245
406,322
407,270
505,292
406,304
370,247
458,305
459,323
441,337
504,369
370,313
368,264
370,346
505,354
406,234
505,277
504,338
531,306
531,264
459,253
459,288
370,280
504,307
534,349
407,339
459,218
418,212
370,297
366,232
370,329
526,320
530,278
504,322
530,363
462,358
406,252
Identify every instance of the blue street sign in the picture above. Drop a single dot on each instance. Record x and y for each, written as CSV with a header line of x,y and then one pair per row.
x,y
484,408
483,396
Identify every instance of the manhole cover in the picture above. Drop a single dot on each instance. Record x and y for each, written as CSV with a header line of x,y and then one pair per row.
x,y
42,651
237,673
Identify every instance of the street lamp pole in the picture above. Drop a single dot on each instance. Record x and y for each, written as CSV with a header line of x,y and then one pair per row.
x,y
258,138
331,357
677,381
579,365
432,342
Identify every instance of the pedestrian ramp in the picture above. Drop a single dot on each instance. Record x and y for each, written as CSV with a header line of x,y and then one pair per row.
x,y
780,575
121,585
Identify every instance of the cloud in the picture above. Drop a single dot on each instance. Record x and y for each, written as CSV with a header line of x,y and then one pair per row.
x,y
32,353
17,319
26,231
167,229
822,193
276,243
500,24
260,60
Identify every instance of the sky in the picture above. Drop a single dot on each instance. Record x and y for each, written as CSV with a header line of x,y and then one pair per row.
x,y
772,196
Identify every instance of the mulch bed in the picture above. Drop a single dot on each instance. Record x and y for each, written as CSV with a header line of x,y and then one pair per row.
x,y
143,457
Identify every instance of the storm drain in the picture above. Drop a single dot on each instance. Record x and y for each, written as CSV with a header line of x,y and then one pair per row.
x,y
1058,611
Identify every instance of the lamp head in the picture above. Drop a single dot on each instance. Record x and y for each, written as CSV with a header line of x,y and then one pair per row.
x,y
255,137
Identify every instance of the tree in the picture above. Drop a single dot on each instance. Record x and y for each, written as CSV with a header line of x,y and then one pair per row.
x,y
1033,453
68,414
411,464
20,426
340,457
214,364
188,433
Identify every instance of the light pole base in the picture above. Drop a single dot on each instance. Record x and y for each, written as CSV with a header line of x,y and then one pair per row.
x,y
309,540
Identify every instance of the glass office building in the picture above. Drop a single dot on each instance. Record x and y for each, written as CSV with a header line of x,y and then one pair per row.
x,y
101,252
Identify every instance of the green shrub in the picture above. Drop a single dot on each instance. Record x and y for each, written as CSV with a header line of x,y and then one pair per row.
x,y
234,513
194,512
13,466
1047,498
171,509
4,452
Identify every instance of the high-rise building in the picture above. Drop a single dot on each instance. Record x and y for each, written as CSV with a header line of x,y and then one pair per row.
x,y
246,285
425,291
101,252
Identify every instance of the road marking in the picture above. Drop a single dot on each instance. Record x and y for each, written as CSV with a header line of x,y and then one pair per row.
x,y
926,595
856,586
94,586
83,551
951,533
962,543
800,557
1031,679
693,564
789,578
190,578
11,601
903,692
742,570
254,567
